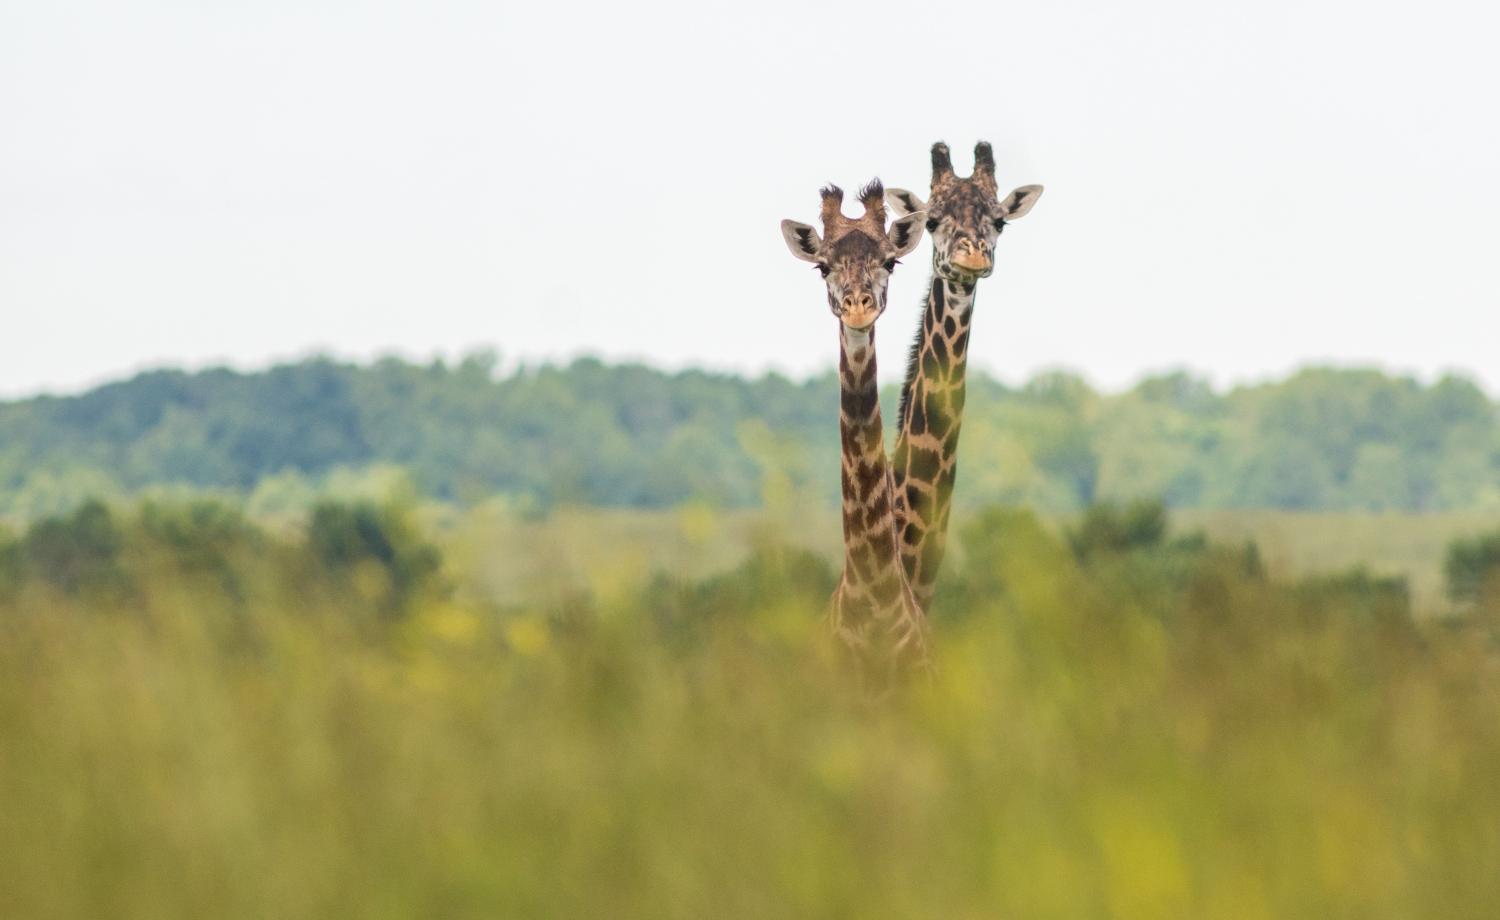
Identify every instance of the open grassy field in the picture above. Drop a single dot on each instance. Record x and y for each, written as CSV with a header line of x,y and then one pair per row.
x,y
1302,543
608,549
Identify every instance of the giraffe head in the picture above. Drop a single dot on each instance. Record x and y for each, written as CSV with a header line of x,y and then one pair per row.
x,y
965,216
855,256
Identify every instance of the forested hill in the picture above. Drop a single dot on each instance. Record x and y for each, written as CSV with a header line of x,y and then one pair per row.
x,y
630,435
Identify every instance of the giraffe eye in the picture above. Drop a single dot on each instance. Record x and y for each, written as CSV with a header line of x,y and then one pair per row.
x,y
999,224
932,224
891,264
823,270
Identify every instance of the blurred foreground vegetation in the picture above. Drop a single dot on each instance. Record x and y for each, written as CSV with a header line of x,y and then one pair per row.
x,y
626,435
202,716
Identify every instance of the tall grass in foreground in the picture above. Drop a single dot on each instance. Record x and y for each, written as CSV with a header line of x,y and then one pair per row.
x,y
1123,727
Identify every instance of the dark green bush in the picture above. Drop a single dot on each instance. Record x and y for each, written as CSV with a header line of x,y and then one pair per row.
x,y
376,550
1109,528
1472,568
79,554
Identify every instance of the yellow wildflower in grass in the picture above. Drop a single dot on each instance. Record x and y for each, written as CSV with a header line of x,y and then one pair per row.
x,y
526,636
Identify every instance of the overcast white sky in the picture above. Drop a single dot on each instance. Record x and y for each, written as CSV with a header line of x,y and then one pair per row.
x,y
1234,188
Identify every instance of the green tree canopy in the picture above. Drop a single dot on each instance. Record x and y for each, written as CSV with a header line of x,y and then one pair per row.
x,y
630,435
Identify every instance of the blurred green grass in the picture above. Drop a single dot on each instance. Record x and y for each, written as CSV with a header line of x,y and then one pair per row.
x,y
225,729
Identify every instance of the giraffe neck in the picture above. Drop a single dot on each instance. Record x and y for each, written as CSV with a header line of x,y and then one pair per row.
x,y
925,459
874,610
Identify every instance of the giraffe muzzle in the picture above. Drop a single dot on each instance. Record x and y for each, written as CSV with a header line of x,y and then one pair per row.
x,y
973,262
858,310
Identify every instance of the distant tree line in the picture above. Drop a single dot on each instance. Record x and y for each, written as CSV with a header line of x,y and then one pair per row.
x,y
629,435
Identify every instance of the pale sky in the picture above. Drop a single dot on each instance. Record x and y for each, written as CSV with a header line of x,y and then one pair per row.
x,y
1238,189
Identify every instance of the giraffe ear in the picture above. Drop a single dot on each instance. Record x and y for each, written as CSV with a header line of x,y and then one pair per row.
x,y
906,233
802,240
1017,203
902,202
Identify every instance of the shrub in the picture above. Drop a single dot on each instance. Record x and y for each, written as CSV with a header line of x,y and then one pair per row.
x,y
78,554
375,550
1112,528
1472,569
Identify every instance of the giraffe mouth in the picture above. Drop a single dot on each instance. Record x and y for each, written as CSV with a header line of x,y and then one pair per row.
x,y
965,275
858,319
973,267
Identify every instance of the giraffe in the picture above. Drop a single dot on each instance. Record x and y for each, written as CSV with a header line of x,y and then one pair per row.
x,y
964,218
873,612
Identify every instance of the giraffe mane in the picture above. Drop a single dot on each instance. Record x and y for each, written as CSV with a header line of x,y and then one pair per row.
x,y
913,358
